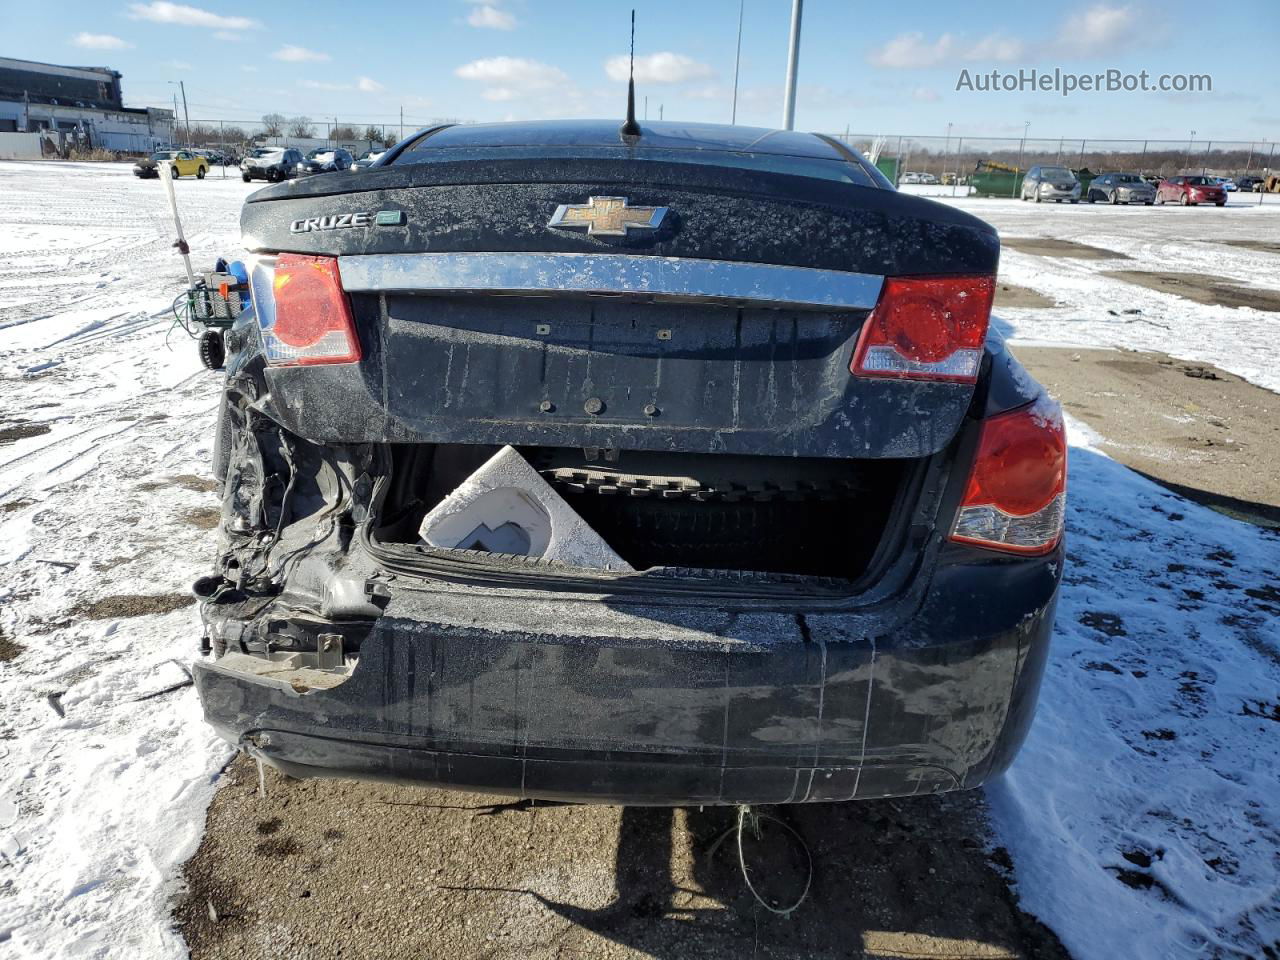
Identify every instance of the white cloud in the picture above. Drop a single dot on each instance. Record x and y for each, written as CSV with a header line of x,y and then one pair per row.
x,y
179,65
162,11
911,51
488,17
996,46
363,84
925,95
664,67
1100,30
510,78
291,53
100,41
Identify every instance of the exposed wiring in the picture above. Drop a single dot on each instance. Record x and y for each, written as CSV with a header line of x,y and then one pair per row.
x,y
749,819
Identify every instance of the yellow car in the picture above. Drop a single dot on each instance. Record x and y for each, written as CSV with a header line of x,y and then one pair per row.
x,y
185,163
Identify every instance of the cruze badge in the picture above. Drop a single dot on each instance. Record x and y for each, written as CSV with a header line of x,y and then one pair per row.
x,y
607,217
347,221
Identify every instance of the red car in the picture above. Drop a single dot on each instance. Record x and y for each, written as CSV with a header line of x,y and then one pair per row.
x,y
1189,191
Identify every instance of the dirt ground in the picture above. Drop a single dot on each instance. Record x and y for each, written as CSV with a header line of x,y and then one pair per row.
x,y
1200,431
330,868
1214,291
1049,247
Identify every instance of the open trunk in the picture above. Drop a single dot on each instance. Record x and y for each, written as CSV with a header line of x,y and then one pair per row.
x,y
705,512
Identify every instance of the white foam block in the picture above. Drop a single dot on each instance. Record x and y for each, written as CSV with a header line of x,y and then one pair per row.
x,y
506,507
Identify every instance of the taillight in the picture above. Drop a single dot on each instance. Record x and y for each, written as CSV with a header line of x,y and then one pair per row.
x,y
308,319
926,328
1016,497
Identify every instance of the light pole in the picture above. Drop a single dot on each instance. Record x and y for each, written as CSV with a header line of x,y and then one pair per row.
x,y
186,116
1026,125
1187,159
946,150
737,62
793,66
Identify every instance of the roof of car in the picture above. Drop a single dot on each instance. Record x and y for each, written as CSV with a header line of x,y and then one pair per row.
x,y
668,135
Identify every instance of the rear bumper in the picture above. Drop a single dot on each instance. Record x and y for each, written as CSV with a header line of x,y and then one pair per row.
x,y
594,699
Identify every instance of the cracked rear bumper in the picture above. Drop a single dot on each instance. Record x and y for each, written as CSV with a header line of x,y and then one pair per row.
x,y
599,700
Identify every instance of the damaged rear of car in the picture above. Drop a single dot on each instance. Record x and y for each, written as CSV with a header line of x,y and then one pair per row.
x,y
679,469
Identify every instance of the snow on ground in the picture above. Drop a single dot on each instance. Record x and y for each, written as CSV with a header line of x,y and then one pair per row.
x,y
105,424
1142,816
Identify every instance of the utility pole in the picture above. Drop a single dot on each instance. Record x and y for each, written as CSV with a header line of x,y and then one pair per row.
x,y
402,122
174,126
186,115
737,62
646,107
793,65
660,106
1026,125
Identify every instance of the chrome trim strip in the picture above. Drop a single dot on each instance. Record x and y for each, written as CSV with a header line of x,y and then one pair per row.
x,y
657,278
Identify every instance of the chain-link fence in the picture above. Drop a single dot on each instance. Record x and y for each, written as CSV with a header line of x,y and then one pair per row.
x,y
304,133
953,161
928,161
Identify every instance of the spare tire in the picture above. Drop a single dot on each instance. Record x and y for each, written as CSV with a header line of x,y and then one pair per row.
x,y
213,351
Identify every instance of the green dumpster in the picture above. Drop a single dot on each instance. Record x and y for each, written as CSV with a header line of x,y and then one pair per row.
x,y
889,167
995,183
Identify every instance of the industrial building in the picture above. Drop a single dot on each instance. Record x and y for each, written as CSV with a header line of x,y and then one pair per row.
x,y
82,106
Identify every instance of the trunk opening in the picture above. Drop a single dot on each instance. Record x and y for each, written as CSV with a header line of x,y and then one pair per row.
x,y
717,512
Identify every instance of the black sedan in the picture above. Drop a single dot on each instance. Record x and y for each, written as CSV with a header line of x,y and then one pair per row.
x,y
677,467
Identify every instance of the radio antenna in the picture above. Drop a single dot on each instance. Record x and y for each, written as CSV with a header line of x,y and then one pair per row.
x,y
629,127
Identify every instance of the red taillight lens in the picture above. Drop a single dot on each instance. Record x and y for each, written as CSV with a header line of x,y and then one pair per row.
x,y
926,328
312,321
1016,497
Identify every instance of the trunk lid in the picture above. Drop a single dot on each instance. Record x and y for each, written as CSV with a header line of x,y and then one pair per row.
x,y
690,347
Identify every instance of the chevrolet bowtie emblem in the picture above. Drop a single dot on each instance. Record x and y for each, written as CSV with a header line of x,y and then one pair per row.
x,y
607,216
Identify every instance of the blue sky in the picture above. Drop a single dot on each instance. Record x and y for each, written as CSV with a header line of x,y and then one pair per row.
x,y
872,67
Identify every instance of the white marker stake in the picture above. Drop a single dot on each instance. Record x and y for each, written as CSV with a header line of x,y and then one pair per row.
x,y
166,174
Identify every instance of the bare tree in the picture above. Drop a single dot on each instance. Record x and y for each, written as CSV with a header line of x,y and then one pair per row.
x,y
343,133
301,127
273,124
372,134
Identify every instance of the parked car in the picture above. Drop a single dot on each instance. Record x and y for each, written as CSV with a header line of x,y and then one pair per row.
x,y
806,527
1121,188
928,178
184,163
270,163
325,160
367,159
1189,191
911,177
215,157
1050,183
1249,184
1227,184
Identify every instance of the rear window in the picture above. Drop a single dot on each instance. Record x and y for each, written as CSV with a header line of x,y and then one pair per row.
x,y
840,171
